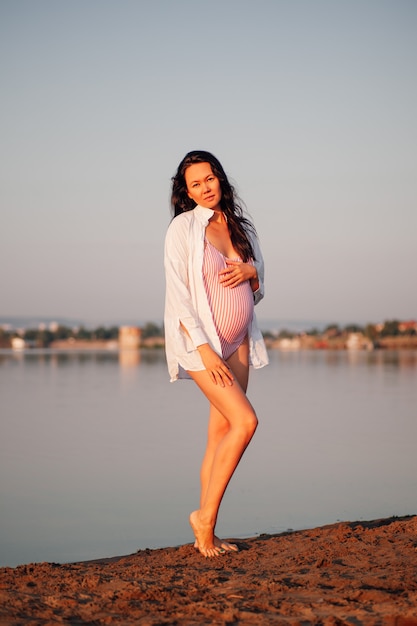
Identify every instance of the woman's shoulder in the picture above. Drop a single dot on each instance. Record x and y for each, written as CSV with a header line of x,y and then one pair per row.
x,y
184,217
179,227
189,221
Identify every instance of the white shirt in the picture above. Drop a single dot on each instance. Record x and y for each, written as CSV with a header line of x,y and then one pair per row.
x,y
186,300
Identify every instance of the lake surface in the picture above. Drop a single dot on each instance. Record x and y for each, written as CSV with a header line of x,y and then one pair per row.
x,y
99,453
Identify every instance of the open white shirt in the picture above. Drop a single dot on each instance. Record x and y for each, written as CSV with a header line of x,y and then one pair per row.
x,y
186,300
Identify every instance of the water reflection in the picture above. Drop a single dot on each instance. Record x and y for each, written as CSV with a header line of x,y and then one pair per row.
x,y
406,359
386,358
129,358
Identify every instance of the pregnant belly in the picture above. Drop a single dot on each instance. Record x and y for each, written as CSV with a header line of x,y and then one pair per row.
x,y
233,312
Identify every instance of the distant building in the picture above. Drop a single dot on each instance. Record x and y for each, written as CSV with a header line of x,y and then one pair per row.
x,y
407,326
287,343
129,337
357,341
18,343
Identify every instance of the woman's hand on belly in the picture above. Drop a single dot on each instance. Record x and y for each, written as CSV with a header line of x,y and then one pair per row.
x,y
236,273
217,369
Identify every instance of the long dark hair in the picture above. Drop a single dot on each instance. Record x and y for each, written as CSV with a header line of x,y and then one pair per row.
x,y
239,226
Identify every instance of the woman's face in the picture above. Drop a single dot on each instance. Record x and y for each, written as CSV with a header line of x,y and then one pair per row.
x,y
203,186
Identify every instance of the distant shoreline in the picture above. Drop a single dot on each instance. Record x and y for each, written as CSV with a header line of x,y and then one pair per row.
x,y
391,335
293,344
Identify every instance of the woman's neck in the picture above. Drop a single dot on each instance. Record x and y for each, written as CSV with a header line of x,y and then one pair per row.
x,y
218,217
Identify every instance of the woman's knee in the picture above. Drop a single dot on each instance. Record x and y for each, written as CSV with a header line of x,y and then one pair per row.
x,y
255,423
250,423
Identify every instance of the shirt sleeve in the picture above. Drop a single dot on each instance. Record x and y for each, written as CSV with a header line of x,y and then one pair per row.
x,y
260,268
178,301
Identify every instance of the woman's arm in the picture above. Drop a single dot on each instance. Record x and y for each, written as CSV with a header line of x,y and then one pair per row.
x,y
237,272
258,293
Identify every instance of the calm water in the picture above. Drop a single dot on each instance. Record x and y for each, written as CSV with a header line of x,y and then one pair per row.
x,y
99,453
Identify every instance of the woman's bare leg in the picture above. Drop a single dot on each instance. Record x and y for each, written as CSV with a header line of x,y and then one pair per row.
x,y
219,426
231,427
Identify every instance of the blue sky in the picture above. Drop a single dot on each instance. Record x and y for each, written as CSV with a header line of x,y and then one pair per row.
x,y
310,106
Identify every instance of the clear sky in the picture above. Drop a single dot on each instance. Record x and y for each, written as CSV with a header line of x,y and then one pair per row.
x,y
309,104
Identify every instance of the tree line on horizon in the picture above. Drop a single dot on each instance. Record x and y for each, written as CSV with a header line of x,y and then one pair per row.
x,y
43,337
390,328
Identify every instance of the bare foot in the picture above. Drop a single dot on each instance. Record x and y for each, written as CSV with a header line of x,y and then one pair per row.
x,y
204,536
221,543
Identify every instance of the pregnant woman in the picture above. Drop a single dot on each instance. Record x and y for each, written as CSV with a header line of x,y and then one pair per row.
x,y
214,277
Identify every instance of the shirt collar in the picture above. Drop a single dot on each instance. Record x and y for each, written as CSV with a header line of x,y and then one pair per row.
x,y
203,213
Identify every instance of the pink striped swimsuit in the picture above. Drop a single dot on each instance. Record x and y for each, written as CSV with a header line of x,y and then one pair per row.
x,y
232,309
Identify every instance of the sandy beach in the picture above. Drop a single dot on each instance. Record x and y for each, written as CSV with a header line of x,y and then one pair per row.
x,y
346,573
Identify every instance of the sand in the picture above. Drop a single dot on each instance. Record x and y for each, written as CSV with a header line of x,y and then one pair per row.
x,y
349,573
